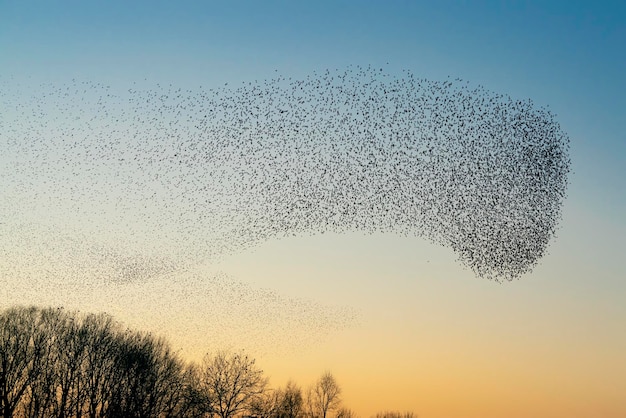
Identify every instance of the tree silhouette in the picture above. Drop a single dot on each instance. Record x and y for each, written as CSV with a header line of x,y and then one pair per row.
x,y
291,405
232,382
60,364
395,414
346,413
148,378
323,397
100,364
22,347
266,405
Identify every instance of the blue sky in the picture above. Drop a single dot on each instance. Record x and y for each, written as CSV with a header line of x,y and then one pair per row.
x,y
567,55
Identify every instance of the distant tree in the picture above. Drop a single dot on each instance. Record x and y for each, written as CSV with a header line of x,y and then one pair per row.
x,y
346,413
323,397
22,346
68,355
39,400
148,378
195,402
395,414
100,364
232,382
266,405
292,404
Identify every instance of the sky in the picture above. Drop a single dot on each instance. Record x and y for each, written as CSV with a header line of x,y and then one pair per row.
x,y
398,321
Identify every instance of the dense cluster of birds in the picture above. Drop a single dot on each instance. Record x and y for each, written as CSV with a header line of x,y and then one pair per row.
x,y
168,177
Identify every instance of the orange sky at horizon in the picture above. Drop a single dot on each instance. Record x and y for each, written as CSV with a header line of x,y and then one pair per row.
x,y
440,343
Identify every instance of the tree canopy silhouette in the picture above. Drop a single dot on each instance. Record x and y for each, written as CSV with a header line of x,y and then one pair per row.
x,y
63,364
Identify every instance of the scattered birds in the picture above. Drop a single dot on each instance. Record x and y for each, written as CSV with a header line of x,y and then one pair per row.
x,y
129,182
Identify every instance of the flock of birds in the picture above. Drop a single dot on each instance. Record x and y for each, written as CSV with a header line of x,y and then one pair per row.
x,y
158,178
103,184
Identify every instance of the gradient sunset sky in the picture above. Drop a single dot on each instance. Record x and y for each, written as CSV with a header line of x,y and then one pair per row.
x,y
412,329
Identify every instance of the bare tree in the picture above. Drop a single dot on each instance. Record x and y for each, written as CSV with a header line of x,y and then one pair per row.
x,y
60,364
232,382
346,413
395,414
100,363
39,400
68,353
292,403
62,386
147,378
195,402
266,405
22,346
323,397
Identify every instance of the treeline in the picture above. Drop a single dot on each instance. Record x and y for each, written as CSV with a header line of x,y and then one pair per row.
x,y
55,363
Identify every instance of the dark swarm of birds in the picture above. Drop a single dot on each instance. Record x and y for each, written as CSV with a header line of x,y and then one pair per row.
x,y
156,178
